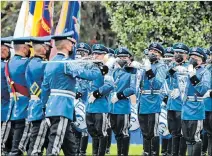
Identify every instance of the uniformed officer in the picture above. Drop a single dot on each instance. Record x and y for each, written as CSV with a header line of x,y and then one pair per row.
x,y
83,52
166,139
58,94
207,124
34,76
150,83
97,105
109,130
174,104
111,52
120,101
169,56
6,142
193,109
19,94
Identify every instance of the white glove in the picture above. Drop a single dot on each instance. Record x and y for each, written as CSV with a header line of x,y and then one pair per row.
x,y
175,93
110,62
191,70
147,64
116,65
76,101
91,98
180,69
207,94
163,104
114,99
136,64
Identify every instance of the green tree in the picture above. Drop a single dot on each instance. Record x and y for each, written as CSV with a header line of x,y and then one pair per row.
x,y
137,24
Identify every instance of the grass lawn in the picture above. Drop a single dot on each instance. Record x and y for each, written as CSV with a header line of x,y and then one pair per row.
x,y
134,149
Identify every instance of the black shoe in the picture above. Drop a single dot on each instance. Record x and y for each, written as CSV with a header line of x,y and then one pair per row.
x,y
209,145
107,151
95,146
183,147
119,146
194,149
125,146
197,149
164,146
175,145
204,143
83,145
203,153
155,146
147,147
169,147
102,146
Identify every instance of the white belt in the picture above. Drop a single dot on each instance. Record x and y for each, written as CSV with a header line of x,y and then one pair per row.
x,y
150,92
192,98
34,97
66,93
17,94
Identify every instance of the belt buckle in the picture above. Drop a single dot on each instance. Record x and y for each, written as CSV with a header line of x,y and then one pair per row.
x,y
34,88
141,91
151,91
195,97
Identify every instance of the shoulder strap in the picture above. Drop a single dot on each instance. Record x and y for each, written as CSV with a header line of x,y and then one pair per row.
x,y
10,82
14,86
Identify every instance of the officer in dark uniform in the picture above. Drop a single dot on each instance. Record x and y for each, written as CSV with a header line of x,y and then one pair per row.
x,y
6,133
34,76
149,84
174,103
58,94
120,101
193,109
19,94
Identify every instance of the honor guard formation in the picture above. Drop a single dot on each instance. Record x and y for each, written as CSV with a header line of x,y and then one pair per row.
x,y
55,105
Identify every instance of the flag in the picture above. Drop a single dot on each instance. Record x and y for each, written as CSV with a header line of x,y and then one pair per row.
x,y
43,18
22,20
36,23
35,19
69,18
28,27
69,21
47,19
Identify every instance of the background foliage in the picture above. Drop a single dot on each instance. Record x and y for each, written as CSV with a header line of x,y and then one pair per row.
x,y
134,24
137,24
